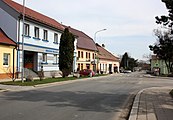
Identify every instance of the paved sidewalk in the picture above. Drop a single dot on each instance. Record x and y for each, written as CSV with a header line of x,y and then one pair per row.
x,y
153,104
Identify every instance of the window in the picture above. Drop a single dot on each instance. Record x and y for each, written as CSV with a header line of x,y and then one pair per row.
x,y
78,54
44,57
45,34
26,29
78,67
86,55
55,59
93,56
55,38
81,54
89,55
81,66
6,59
88,66
36,32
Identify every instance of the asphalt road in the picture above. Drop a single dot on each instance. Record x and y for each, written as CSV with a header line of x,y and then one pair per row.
x,y
103,98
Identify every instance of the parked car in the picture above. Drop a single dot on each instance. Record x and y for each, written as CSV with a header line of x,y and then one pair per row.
x,y
86,72
127,71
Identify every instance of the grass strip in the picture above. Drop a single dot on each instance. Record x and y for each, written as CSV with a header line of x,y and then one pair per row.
x,y
44,81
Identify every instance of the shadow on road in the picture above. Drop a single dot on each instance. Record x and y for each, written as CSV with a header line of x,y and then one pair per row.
x,y
83,101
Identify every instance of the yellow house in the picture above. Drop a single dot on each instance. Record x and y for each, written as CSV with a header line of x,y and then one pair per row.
x,y
86,50
7,56
85,59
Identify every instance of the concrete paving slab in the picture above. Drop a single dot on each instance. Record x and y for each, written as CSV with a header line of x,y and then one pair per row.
x,y
154,104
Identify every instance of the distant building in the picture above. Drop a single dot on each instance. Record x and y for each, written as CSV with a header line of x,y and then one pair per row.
x,y
7,56
158,65
107,62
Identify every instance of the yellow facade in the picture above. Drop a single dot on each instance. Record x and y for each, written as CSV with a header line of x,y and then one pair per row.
x,y
85,58
6,69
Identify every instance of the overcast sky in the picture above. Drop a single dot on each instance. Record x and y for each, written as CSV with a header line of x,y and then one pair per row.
x,y
129,23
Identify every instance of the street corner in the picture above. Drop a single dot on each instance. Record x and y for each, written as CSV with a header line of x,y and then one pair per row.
x,y
149,100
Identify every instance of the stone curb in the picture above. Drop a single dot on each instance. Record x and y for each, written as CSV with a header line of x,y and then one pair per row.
x,y
134,110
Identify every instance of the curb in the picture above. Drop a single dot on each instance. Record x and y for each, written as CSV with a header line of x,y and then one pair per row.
x,y
134,110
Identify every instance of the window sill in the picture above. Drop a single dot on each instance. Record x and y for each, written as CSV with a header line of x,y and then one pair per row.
x,y
44,63
45,40
5,66
27,36
55,63
36,38
55,43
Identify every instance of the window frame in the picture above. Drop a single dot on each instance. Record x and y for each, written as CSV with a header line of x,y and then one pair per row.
x,y
36,32
8,59
86,55
56,38
82,54
93,56
82,66
78,54
56,59
44,58
26,29
45,34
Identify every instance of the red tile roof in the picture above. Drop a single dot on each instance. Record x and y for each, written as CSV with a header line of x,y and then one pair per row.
x,y
106,55
34,15
84,41
4,39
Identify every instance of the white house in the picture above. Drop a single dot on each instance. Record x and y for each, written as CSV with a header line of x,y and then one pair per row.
x,y
41,37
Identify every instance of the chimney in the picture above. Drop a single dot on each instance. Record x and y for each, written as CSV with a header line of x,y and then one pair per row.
x,y
103,45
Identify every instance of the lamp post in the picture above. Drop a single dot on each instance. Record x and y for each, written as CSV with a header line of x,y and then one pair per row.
x,y
96,34
95,50
23,32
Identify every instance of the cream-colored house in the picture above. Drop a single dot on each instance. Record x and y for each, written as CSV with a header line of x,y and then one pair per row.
x,y
107,62
7,56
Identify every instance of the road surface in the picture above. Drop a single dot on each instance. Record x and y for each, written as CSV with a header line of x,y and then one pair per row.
x,y
105,98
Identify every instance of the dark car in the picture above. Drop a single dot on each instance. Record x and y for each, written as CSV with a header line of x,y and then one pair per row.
x,y
86,72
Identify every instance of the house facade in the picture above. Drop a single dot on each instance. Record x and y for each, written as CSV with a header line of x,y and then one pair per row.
x,y
41,37
7,57
158,65
107,62
86,50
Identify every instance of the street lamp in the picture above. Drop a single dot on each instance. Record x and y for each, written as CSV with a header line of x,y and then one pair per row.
x,y
23,32
96,34
95,50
